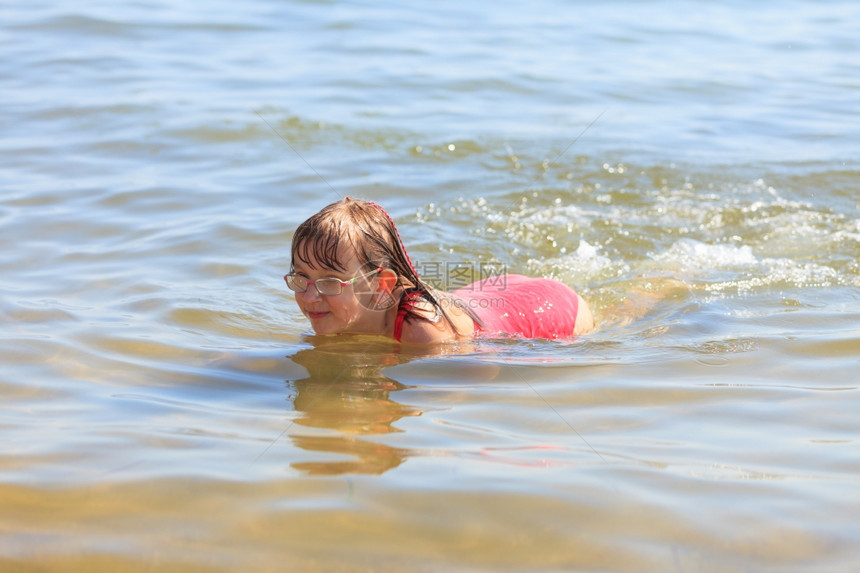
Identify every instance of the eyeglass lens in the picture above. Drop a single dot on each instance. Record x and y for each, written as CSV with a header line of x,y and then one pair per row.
x,y
329,287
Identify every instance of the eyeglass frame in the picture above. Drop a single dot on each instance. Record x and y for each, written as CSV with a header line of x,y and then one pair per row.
x,y
314,282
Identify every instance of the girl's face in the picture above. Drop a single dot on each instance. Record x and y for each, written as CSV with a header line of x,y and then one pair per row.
x,y
347,312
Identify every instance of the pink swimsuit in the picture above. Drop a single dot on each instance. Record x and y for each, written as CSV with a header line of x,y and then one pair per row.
x,y
513,305
526,307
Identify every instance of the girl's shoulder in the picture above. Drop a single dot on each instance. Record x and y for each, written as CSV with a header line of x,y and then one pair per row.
x,y
434,328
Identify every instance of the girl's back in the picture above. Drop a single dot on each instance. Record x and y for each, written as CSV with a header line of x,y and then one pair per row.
x,y
526,307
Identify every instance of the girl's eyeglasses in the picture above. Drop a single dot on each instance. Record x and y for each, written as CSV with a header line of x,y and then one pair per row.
x,y
328,287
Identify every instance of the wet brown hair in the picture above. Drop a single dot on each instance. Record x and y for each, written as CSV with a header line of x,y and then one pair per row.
x,y
367,230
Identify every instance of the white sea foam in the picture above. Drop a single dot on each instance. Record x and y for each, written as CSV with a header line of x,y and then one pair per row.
x,y
587,258
706,261
693,255
560,215
584,264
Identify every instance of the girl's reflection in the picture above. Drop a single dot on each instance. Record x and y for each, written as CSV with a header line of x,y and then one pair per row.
x,y
346,392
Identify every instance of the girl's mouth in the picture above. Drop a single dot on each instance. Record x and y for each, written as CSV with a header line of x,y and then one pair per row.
x,y
316,315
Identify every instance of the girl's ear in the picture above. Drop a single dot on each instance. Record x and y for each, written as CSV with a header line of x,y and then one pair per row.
x,y
386,280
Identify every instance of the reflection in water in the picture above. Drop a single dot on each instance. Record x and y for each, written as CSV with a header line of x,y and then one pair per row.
x,y
346,392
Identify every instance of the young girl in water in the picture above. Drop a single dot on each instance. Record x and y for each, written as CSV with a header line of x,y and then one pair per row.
x,y
351,274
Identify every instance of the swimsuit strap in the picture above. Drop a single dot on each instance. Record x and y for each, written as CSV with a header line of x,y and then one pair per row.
x,y
408,301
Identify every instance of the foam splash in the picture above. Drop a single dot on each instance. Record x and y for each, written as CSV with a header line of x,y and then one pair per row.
x,y
691,255
711,262
585,264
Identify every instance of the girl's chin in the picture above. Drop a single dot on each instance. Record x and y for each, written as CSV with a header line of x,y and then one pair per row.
x,y
322,329
322,326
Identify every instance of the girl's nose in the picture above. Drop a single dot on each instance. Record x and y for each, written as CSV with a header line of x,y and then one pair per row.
x,y
311,294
